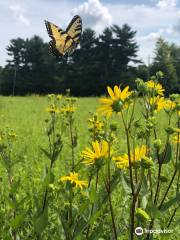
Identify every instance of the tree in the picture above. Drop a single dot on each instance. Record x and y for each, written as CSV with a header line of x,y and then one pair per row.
x,y
175,53
83,68
98,61
164,62
35,71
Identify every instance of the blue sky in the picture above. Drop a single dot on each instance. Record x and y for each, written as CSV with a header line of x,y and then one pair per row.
x,y
151,19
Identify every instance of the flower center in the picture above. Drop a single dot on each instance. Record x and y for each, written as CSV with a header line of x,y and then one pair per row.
x,y
117,106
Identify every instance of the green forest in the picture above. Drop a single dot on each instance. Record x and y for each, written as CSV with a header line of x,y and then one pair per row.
x,y
106,59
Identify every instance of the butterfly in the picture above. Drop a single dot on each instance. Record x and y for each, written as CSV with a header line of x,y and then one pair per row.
x,y
64,42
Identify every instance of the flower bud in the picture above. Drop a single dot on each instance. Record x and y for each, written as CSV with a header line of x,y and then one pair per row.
x,y
113,127
170,130
117,106
163,179
159,75
157,143
146,162
142,87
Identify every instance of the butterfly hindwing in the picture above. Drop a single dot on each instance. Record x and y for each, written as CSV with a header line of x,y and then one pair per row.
x,y
64,42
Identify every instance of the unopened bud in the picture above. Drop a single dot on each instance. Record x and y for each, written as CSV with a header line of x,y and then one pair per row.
x,y
146,162
157,143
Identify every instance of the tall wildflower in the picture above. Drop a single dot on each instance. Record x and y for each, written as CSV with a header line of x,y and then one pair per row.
x,y
155,88
73,178
136,156
117,102
98,151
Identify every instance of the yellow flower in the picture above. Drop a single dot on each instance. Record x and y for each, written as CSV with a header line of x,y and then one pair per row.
x,y
136,155
95,123
74,179
59,97
157,103
50,96
99,150
155,87
12,135
169,105
176,139
67,109
116,102
52,109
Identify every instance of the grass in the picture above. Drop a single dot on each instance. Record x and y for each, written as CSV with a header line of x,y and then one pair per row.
x,y
26,116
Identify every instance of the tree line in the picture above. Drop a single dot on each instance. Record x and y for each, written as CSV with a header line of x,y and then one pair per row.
x,y
107,59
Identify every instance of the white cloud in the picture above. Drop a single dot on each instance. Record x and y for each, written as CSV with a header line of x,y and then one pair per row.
x,y
94,14
142,17
153,36
18,13
167,3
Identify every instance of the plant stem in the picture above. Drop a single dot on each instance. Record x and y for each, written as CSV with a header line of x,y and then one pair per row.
x,y
131,178
171,218
109,193
72,142
92,208
168,188
158,184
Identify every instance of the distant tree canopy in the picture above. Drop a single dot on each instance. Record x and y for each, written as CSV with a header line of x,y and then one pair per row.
x,y
167,59
99,61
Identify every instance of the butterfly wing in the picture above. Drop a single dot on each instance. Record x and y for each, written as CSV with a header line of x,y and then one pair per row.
x,y
75,28
73,31
56,45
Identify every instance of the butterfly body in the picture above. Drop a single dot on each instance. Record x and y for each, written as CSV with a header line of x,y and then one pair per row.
x,y
64,42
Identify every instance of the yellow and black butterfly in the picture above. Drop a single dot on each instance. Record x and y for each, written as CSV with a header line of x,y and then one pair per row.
x,y
64,42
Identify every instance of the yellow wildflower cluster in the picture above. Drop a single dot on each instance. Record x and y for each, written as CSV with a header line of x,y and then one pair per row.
x,y
52,109
95,124
155,88
156,103
67,109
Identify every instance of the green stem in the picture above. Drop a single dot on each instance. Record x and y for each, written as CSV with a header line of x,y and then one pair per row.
x,y
72,142
92,208
109,194
168,188
172,217
131,179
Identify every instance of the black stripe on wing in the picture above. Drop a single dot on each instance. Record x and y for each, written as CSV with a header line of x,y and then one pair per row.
x,y
72,22
48,27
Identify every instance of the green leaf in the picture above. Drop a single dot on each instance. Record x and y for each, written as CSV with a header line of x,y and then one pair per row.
x,y
144,201
79,228
41,221
48,155
94,217
17,221
166,155
170,203
144,187
15,186
153,210
93,196
125,184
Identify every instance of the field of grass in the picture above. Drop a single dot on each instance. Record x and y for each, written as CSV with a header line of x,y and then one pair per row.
x,y
26,116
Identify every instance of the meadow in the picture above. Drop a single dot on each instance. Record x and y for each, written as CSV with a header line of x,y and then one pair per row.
x,y
37,204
